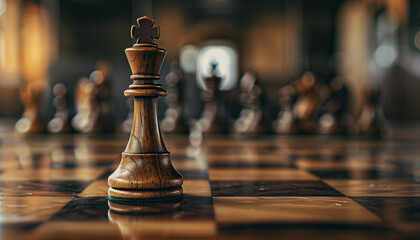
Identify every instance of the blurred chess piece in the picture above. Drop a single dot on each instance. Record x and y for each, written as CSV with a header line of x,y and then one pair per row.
x,y
32,96
252,118
335,113
93,102
175,120
128,122
213,118
61,121
85,105
371,120
285,122
305,109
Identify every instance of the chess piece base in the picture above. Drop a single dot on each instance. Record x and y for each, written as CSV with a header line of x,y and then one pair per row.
x,y
145,194
145,176
144,208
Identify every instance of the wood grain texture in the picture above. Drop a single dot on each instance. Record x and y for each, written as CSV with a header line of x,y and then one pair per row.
x,y
145,170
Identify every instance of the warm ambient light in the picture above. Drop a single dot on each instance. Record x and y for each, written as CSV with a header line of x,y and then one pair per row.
x,y
10,64
226,59
35,48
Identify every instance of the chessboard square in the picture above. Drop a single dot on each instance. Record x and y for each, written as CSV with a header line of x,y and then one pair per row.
x,y
389,174
272,188
194,174
121,228
187,163
77,230
376,188
47,174
305,163
247,155
30,209
40,188
393,209
273,174
196,207
197,188
83,209
291,210
98,188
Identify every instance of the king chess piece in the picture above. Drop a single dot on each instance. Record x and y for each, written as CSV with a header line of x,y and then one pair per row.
x,y
145,171
61,121
175,120
252,118
213,118
32,96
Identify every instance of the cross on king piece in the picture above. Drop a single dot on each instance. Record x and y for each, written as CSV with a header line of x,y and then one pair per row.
x,y
145,32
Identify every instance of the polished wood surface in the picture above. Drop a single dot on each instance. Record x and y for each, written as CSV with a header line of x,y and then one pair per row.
x,y
307,187
145,171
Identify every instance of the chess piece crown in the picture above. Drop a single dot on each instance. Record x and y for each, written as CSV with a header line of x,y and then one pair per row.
x,y
145,171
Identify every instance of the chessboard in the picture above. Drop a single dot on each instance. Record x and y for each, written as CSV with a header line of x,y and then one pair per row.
x,y
266,187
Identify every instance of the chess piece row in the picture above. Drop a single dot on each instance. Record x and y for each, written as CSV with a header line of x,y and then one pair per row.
x,y
307,106
92,101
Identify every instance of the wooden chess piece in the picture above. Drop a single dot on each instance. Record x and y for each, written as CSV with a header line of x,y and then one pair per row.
x,y
335,113
104,122
85,104
252,118
285,121
32,96
175,120
145,171
61,121
305,109
213,118
371,120
93,102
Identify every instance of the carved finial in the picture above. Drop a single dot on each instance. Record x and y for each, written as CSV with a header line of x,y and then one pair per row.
x,y
145,32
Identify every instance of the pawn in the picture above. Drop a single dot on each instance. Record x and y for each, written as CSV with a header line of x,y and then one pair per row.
x,y
335,112
61,121
85,106
32,96
252,117
371,120
175,120
213,118
285,122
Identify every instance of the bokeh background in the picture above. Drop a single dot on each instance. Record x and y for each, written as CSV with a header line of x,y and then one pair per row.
x,y
368,42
